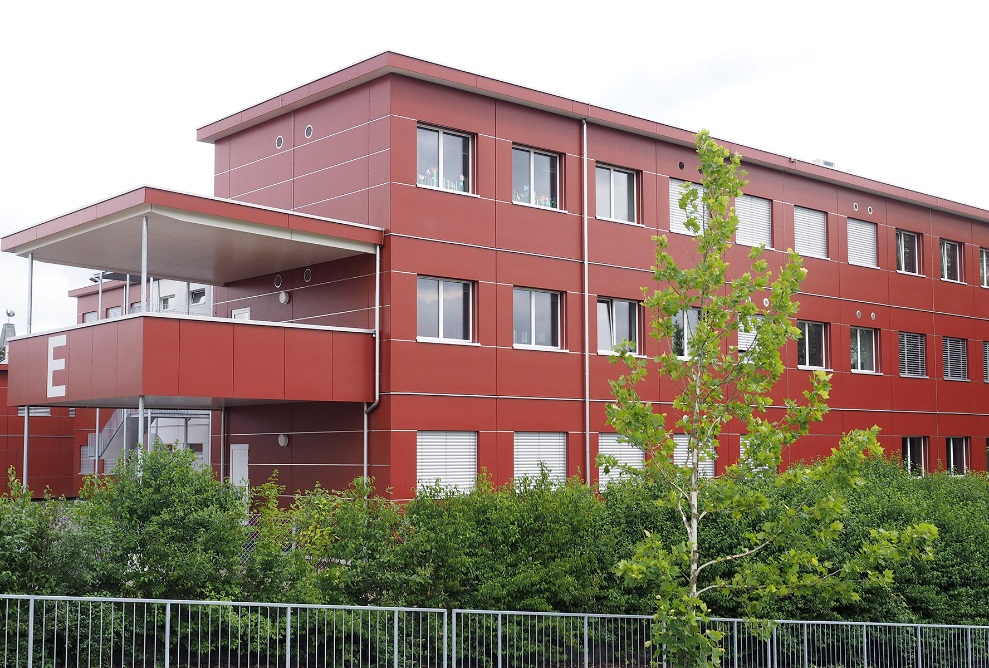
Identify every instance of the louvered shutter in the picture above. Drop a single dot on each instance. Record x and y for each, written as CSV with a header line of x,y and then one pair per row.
x,y
985,361
745,338
810,230
955,358
448,458
755,221
550,448
626,454
681,456
678,217
913,354
862,243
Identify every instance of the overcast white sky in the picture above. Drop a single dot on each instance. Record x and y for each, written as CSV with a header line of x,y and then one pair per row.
x,y
100,97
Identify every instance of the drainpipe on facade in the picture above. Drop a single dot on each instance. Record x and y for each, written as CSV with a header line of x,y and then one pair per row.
x,y
377,356
587,308
30,304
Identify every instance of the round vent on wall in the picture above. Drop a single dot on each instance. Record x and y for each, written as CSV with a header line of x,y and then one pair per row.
x,y
279,141
855,206
308,132
278,280
284,297
870,210
283,440
307,275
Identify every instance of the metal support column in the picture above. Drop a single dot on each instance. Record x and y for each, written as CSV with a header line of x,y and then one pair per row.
x,y
27,409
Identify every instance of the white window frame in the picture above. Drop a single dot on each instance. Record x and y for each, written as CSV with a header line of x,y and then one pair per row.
x,y
958,447
612,172
166,303
746,338
946,251
556,345
448,458
542,447
441,179
858,335
954,357
913,348
862,249
468,325
903,239
90,316
755,221
241,313
530,201
682,322
625,453
910,448
678,217
197,296
810,230
607,347
984,267
803,357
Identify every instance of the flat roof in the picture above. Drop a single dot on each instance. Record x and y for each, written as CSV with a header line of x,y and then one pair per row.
x,y
395,63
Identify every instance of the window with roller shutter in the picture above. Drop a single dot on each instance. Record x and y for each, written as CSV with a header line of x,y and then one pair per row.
x,y
681,456
548,449
862,243
678,217
954,354
625,453
755,221
810,232
913,355
447,458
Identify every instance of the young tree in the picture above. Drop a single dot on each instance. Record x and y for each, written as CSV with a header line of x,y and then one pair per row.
x,y
699,307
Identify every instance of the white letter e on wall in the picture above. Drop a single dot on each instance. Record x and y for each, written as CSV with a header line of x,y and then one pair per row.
x,y
55,365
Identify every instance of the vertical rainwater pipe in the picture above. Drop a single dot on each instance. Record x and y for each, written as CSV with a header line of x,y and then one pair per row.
x,y
587,307
377,358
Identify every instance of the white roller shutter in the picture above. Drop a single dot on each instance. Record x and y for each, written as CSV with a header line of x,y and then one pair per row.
x,y
810,231
678,217
862,243
446,457
681,455
755,221
626,454
746,339
985,361
533,447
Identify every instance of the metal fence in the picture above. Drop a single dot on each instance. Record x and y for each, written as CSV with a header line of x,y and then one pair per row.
x,y
63,632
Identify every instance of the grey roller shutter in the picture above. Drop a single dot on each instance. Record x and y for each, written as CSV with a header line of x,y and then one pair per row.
x,y
678,217
550,448
755,221
955,358
985,361
681,456
913,354
862,243
626,454
810,232
446,457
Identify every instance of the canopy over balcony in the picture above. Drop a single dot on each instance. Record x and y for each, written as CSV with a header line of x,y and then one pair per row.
x,y
190,237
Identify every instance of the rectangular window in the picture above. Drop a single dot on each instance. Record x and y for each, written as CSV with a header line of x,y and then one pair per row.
x,y
810,232
197,297
618,321
678,217
135,307
615,194
862,243
537,318
913,355
534,450
812,345
755,221
951,260
443,159
746,336
89,316
954,353
625,453
984,267
914,452
958,453
681,456
444,309
535,178
113,312
985,361
907,252
166,303
36,411
446,458
864,349
684,326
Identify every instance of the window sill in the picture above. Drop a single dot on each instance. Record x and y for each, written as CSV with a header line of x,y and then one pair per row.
x,y
863,266
908,375
866,373
815,257
910,273
447,190
612,353
540,207
949,280
958,380
620,221
801,367
446,342
549,349
764,247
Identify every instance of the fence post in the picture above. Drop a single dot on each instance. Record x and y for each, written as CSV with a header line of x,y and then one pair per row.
x,y
499,640
773,659
445,639
587,653
806,647
735,641
30,633
396,639
288,636
168,633
453,640
865,645
920,661
968,634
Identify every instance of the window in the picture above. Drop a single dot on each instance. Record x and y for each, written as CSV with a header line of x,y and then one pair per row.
x,y
747,335
913,355
810,232
537,318
446,458
241,313
444,309
113,312
862,243
811,345
684,326
615,194
135,307
534,450
36,411
951,260
957,451
618,321
954,353
535,179
984,267
678,217
166,303
907,252
626,454
864,349
985,361
681,456
89,316
755,221
197,297
443,160
915,454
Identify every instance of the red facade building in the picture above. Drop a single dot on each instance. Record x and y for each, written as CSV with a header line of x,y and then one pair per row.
x,y
418,272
